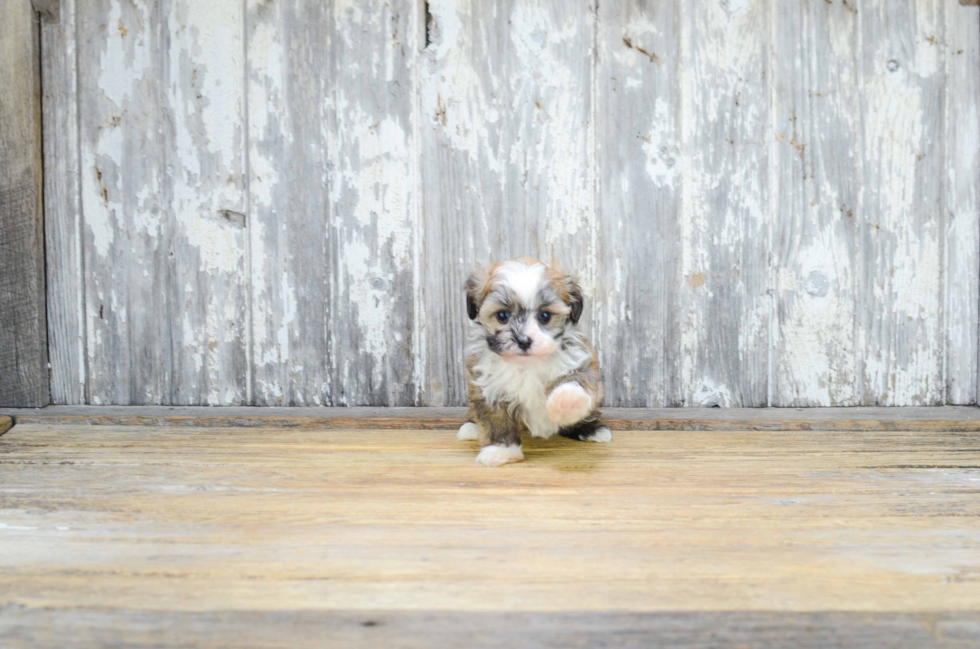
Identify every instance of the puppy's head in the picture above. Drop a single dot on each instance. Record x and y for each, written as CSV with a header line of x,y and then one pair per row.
x,y
524,308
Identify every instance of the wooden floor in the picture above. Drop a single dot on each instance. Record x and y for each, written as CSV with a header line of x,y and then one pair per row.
x,y
171,536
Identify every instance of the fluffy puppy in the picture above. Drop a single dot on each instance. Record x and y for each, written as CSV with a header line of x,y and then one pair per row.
x,y
529,368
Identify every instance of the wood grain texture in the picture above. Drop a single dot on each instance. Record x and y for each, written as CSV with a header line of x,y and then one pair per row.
x,y
23,336
962,202
723,297
639,160
201,520
817,207
903,220
507,139
162,137
63,209
943,418
31,627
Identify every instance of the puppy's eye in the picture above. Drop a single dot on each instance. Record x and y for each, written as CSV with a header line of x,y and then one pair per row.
x,y
544,317
503,316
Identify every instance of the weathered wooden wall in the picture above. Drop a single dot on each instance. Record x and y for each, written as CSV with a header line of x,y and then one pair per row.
x,y
768,202
23,336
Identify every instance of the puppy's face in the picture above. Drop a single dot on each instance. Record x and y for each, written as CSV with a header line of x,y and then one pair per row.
x,y
524,308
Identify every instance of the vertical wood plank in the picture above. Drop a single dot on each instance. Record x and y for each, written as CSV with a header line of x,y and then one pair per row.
x,y
507,145
903,235
162,143
205,134
962,174
23,327
818,171
290,121
722,289
127,239
334,202
639,150
374,192
63,209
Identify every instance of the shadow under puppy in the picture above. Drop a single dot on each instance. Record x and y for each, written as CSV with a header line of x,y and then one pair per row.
x,y
529,368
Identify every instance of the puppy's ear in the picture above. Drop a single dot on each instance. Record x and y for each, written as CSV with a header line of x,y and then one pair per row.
x,y
575,298
475,284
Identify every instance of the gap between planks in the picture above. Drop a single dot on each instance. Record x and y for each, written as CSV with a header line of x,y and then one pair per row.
x,y
943,418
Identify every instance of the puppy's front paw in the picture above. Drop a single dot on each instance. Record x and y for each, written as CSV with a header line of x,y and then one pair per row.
x,y
495,455
568,403
468,431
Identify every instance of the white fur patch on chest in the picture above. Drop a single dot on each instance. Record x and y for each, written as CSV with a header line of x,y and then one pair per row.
x,y
504,382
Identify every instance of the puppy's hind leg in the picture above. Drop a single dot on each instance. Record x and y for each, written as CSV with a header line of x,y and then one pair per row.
x,y
468,431
590,429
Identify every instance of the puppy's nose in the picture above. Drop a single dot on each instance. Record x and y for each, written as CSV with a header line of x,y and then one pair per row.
x,y
524,343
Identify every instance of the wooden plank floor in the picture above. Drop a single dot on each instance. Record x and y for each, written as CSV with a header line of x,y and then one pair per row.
x,y
162,536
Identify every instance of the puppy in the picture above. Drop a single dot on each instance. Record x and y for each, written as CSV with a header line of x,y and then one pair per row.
x,y
529,368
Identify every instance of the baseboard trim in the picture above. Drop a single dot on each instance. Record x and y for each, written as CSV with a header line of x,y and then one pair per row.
x,y
941,418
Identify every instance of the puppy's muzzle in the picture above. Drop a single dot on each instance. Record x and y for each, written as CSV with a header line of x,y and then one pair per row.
x,y
524,342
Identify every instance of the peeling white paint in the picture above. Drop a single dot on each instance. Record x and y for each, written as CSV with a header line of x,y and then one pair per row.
x,y
508,120
454,99
126,56
659,147
99,219
708,394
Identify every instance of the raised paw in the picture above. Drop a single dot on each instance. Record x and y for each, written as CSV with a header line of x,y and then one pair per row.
x,y
468,431
494,455
568,403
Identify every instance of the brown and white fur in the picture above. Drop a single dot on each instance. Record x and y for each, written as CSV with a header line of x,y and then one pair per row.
x,y
529,368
